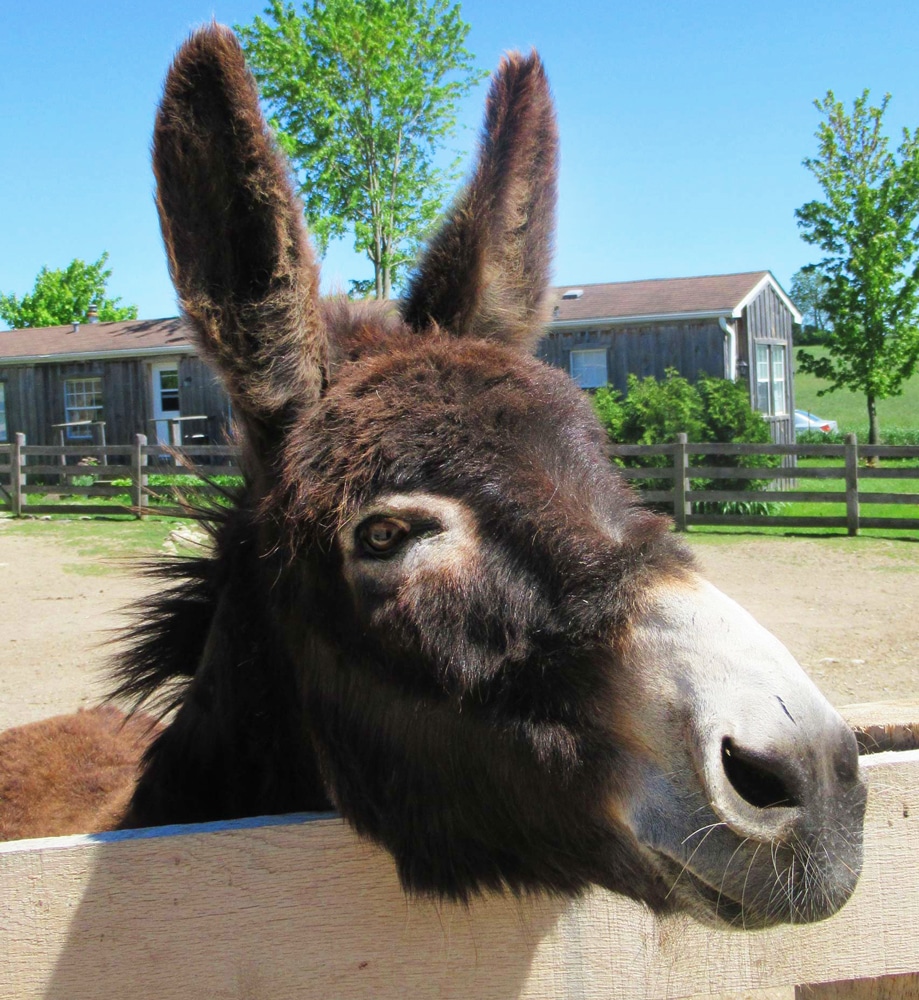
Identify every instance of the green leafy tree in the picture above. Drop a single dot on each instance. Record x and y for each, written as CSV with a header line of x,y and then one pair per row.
x,y
808,287
362,93
868,229
64,296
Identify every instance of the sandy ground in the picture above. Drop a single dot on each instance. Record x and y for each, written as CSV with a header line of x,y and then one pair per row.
x,y
848,609
57,616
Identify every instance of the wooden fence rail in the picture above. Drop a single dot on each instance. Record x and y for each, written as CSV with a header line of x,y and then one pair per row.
x,y
28,471
694,461
299,907
41,471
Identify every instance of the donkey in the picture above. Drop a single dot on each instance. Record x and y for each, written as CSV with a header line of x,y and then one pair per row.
x,y
435,607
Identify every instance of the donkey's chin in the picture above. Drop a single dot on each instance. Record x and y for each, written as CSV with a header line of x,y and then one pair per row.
x,y
781,898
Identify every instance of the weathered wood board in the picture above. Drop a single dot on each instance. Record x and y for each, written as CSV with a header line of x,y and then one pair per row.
x,y
300,908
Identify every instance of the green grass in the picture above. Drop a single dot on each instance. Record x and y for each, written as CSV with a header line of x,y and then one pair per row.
x,y
111,543
848,409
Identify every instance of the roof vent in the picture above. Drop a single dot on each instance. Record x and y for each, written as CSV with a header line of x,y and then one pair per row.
x,y
76,327
573,293
92,314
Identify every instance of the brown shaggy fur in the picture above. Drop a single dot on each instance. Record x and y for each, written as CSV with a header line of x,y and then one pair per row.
x,y
250,288
486,272
72,773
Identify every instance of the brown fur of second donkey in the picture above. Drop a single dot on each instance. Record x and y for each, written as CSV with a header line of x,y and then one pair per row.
x,y
94,754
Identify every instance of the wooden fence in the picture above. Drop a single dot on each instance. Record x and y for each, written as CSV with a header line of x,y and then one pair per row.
x,y
690,461
43,472
299,907
38,470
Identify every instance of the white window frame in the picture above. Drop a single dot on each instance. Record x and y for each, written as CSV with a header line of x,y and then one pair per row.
x,y
770,384
589,367
82,401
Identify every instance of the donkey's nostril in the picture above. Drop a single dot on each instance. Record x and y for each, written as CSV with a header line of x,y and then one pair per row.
x,y
756,778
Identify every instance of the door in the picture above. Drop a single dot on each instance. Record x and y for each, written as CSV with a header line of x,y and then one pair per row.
x,y
166,402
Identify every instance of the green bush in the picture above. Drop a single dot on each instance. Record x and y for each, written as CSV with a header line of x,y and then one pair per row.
x,y
900,435
907,436
168,489
820,437
714,409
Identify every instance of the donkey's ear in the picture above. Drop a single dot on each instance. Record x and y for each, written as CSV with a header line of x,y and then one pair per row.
x,y
238,253
486,272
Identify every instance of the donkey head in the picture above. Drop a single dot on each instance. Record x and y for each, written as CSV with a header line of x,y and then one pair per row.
x,y
497,664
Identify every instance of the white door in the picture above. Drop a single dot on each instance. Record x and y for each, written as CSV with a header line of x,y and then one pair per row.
x,y
166,402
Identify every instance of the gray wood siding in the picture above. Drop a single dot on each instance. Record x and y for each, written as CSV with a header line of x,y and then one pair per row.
x,y
767,318
35,397
692,347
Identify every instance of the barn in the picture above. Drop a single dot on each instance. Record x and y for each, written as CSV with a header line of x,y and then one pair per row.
x,y
730,325
85,383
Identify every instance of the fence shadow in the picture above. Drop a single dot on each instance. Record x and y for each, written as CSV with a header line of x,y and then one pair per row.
x,y
269,909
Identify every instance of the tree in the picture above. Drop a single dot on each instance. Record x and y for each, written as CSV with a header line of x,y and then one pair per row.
x,y
361,94
60,297
808,287
868,229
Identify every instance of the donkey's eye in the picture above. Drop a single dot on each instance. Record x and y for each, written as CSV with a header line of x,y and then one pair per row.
x,y
382,536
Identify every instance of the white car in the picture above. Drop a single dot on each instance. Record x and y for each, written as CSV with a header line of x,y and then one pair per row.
x,y
805,421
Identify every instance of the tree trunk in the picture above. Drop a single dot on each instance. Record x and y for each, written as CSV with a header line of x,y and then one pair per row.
x,y
874,433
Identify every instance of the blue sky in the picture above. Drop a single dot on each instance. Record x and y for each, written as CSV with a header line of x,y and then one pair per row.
x,y
683,127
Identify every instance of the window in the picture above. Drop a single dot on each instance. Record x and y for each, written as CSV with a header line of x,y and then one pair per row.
x,y
771,395
588,368
3,434
82,401
169,389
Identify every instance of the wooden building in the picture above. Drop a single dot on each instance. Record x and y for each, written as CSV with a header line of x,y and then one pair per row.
x,y
143,376
74,383
728,325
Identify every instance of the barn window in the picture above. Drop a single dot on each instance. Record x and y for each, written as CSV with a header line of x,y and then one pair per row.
x,y
82,401
771,394
588,368
3,434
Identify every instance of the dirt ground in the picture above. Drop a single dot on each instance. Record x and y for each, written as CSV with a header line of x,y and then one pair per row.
x,y
847,608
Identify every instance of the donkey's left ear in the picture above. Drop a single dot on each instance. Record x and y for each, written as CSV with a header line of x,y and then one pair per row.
x,y
486,272
234,233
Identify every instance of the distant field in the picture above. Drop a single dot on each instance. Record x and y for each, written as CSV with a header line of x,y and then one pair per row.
x,y
848,408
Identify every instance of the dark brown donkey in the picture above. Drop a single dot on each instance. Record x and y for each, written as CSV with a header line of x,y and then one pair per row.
x,y
435,607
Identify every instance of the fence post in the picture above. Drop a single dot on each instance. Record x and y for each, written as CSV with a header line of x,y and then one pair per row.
x,y
680,482
138,466
17,476
852,483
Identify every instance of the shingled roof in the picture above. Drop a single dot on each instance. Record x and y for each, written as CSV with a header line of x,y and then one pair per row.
x,y
129,338
708,296
611,303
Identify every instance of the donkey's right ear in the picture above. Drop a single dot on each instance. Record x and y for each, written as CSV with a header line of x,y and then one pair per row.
x,y
238,252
